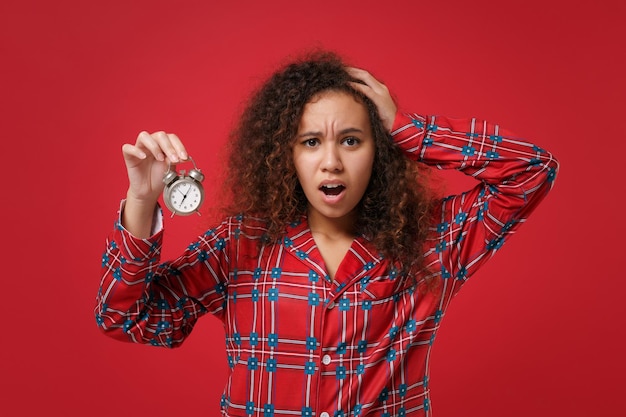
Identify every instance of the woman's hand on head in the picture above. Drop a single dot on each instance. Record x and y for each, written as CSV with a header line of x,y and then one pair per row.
x,y
377,92
147,161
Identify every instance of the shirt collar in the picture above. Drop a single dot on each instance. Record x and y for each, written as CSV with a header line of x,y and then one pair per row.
x,y
360,258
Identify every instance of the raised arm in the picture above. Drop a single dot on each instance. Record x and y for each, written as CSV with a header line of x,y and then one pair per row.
x,y
513,176
142,299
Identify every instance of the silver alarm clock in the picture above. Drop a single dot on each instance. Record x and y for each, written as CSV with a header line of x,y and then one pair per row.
x,y
183,193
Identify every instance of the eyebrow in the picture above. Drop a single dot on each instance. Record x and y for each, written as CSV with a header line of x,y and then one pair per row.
x,y
341,132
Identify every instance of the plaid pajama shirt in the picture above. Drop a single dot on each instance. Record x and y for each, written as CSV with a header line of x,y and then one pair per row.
x,y
300,343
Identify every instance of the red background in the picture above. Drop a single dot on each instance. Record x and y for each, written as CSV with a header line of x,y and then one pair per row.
x,y
539,331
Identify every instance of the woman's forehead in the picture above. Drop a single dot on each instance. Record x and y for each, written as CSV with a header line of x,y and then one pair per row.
x,y
334,106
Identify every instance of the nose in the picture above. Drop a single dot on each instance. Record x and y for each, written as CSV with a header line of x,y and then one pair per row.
x,y
331,159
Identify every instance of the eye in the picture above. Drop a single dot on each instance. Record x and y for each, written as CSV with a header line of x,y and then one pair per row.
x,y
310,142
351,141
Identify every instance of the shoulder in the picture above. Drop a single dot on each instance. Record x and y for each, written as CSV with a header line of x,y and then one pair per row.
x,y
247,225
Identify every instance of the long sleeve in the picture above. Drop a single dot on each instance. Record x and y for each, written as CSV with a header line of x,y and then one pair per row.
x,y
144,301
513,177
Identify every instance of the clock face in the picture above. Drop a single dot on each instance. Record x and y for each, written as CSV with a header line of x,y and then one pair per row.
x,y
185,196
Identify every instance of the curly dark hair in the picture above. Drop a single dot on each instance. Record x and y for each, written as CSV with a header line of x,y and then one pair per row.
x,y
395,211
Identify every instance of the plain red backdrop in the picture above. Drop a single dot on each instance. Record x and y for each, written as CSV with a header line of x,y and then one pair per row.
x,y
539,331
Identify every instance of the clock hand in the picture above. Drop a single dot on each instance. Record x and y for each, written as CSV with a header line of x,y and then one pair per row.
x,y
185,195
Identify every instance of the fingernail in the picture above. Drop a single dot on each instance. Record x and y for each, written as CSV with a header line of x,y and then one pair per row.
x,y
174,157
183,155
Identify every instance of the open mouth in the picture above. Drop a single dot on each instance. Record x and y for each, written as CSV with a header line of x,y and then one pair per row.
x,y
332,189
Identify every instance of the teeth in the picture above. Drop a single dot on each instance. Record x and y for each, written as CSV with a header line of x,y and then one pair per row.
x,y
332,189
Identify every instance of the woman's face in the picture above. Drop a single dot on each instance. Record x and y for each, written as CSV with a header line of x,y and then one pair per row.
x,y
333,155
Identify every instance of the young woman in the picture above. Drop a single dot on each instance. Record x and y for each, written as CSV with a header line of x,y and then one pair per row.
x,y
334,267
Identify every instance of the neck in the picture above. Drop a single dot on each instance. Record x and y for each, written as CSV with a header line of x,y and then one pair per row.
x,y
331,227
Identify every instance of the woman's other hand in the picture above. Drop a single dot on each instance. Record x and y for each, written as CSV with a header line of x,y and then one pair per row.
x,y
377,92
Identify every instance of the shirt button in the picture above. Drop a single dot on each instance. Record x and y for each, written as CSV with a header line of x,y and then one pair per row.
x,y
324,414
326,361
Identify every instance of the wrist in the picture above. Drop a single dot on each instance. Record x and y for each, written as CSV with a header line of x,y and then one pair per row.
x,y
138,215
141,203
